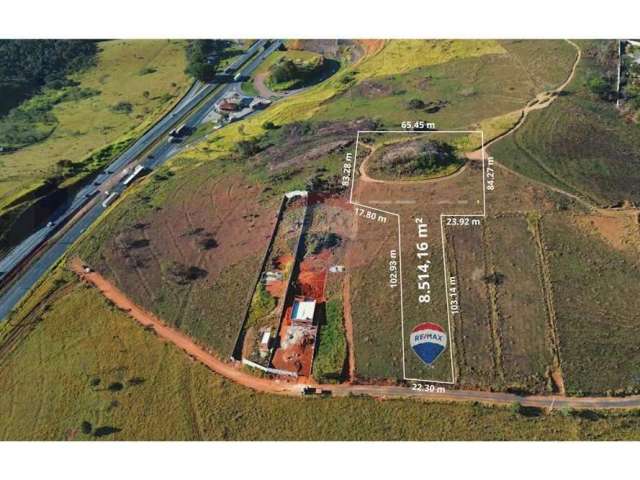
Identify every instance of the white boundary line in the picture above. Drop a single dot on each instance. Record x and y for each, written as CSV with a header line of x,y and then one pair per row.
x,y
444,256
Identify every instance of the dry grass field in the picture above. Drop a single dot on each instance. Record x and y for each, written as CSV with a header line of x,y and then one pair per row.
x,y
87,362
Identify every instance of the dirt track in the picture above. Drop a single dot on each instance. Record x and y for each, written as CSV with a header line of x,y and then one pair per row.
x,y
179,339
233,371
542,100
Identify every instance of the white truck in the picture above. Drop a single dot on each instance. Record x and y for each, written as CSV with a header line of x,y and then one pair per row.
x,y
110,199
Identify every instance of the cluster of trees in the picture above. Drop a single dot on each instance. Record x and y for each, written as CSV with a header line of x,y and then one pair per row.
x,y
28,65
435,155
290,70
203,57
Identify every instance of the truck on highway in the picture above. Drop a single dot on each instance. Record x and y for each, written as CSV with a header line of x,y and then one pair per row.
x,y
182,130
110,199
133,175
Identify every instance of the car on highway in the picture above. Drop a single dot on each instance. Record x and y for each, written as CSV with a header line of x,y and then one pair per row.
x,y
51,224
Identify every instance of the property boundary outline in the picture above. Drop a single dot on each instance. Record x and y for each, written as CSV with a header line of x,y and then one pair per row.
x,y
483,214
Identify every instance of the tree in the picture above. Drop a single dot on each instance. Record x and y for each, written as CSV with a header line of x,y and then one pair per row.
x,y
204,72
246,148
416,104
515,408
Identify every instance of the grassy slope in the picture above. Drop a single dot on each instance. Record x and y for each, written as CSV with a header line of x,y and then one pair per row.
x,y
88,124
48,393
399,56
579,143
482,85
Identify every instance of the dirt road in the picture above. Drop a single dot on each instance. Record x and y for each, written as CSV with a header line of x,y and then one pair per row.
x,y
233,372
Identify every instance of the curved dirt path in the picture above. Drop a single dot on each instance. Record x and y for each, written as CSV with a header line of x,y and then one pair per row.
x,y
232,371
179,339
542,100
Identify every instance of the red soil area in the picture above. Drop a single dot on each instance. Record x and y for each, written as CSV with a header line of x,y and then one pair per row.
x,y
310,283
277,288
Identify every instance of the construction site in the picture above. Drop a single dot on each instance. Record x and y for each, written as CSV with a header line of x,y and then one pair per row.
x,y
279,332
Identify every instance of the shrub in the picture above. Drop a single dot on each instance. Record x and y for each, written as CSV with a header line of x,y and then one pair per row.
x,y
246,148
416,104
122,107
86,427
601,87
115,387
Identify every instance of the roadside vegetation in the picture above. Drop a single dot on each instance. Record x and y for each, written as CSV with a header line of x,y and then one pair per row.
x,y
331,352
293,70
67,133
26,66
204,58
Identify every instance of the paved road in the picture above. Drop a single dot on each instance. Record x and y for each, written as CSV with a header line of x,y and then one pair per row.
x,y
112,175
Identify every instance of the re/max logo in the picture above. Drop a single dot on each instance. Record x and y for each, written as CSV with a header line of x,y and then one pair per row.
x,y
429,336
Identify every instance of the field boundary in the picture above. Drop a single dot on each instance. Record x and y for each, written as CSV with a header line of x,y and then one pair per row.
x,y
481,214
234,353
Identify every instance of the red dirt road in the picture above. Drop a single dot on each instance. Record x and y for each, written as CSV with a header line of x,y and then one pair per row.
x,y
179,339
233,371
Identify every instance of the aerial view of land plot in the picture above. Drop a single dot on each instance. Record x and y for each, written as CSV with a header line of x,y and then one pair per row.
x,y
292,239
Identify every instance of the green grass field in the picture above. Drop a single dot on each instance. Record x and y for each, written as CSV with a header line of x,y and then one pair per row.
x,y
580,143
153,72
88,362
375,307
597,300
460,91
331,352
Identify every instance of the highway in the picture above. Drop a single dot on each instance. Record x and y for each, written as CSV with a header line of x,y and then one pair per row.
x,y
86,206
